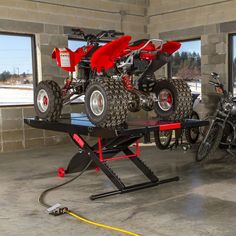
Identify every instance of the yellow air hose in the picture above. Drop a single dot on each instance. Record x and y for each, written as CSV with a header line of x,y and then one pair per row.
x,y
100,225
65,210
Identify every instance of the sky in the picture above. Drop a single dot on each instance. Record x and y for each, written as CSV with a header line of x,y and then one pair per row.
x,y
191,46
15,52
74,44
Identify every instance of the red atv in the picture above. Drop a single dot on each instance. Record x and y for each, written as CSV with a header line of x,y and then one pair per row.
x,y
115,78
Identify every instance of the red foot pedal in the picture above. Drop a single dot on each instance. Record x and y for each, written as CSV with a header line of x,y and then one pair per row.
x,y
61,172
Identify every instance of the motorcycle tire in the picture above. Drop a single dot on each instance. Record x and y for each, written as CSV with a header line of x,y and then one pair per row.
x,y
209,144
163,138
228,133
106,102
48,100
192,134
174,99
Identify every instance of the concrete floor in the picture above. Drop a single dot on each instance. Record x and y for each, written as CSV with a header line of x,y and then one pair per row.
x,y
203,202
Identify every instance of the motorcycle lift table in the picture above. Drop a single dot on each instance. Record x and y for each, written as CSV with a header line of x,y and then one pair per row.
x,y
110,142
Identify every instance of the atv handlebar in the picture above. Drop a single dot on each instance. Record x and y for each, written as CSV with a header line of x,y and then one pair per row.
x,y
93,38
107,33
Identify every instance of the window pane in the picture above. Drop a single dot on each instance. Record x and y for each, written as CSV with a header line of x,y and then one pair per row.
x,y
234,65
16,77
186,64
74,44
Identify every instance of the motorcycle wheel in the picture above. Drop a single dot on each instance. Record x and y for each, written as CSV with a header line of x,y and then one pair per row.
x,y
106,102
228,134
209,144
192,134
174,99
48,100
163,138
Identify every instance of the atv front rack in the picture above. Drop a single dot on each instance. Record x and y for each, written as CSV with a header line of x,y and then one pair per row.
x,y
110,143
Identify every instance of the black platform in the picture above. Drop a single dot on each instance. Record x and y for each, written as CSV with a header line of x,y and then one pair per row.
x,y
110,143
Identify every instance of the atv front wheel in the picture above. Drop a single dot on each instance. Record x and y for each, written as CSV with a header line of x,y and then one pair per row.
x,y
106,102
48,100
174,99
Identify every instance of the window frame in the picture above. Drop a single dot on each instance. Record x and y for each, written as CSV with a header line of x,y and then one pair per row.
x,y
230,61
34,64
169,66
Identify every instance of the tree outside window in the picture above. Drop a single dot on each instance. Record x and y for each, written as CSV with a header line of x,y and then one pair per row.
x,y
186,64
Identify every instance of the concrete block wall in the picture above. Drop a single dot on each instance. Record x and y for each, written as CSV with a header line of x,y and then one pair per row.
x,y
47,20
211,21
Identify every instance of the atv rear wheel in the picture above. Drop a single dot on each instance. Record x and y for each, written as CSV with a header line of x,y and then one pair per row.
x,y
192,134
174,99
163,138
48,100
106,102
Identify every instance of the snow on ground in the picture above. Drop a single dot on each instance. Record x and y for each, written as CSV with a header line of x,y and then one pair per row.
x,y
14,96
195,87
23,95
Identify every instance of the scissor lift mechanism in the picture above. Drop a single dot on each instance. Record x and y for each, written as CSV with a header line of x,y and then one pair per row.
x,y
110,143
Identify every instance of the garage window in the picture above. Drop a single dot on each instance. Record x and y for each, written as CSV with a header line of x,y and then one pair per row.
x,y
186,64
16,70
74,44
232,64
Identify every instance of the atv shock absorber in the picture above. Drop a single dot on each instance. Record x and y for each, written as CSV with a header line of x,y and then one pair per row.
x,y
127,82
66,86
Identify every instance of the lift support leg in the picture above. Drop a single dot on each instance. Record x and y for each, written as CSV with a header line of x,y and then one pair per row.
x,y
111,147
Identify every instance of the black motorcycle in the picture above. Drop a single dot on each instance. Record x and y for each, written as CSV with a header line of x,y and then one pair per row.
x,y
222,129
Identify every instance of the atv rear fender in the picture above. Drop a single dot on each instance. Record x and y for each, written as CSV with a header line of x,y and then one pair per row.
x,y
104,58
162,57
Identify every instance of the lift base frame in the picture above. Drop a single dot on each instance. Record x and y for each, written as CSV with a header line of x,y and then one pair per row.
x,y
110,143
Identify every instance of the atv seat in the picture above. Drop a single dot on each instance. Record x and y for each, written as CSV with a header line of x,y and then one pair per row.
x,y
87,58
138,42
